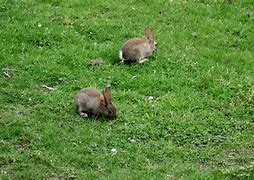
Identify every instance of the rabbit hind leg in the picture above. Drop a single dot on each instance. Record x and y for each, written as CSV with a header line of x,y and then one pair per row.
x,y
142,60
82,113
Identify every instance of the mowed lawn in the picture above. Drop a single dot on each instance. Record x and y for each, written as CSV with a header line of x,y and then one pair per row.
x,y
186,113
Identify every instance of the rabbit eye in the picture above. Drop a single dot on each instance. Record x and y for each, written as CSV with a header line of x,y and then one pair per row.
x,y
109,110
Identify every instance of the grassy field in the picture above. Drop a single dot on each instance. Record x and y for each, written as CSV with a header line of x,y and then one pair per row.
x,y
187,113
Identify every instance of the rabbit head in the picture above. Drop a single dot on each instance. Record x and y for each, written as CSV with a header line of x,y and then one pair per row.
x,y
150,39
109,109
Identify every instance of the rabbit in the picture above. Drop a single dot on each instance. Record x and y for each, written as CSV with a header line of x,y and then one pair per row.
x,y
89,101
138,49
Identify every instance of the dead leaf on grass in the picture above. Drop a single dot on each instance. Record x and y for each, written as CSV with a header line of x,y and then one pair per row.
x,y
94,62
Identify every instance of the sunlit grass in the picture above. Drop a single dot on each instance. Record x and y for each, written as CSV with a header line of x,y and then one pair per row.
x,y
186,113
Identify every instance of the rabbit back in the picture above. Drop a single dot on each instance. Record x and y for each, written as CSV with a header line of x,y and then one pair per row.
x,y
135,49
89,100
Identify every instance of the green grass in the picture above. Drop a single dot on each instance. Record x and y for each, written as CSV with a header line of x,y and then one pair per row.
x,y
199,124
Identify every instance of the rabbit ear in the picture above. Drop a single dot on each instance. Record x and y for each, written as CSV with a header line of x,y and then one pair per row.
x,y
149,33
107,95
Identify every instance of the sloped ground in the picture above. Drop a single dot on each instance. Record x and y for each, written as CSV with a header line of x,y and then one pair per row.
x,y
186,113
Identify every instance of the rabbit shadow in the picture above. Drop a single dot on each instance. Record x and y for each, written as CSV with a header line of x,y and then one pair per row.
x,y
93,118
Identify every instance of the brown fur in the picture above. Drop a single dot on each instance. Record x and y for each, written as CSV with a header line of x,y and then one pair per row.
x,y
89,101
137,49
